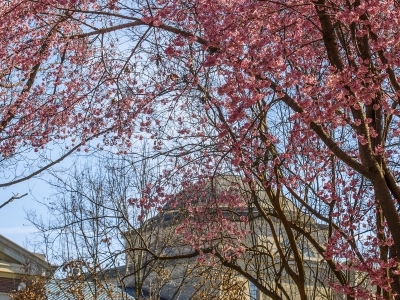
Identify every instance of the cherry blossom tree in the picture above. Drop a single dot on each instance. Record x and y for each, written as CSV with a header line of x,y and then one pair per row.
x,y
93,236
298,97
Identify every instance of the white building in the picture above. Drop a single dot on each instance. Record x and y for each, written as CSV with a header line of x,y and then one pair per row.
x,y
282,271
17,263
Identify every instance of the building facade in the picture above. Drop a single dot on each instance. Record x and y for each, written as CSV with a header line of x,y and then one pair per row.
x,y
17,263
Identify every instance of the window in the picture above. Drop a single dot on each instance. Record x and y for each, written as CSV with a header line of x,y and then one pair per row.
x,y
169,251
307,251
253,291
304,249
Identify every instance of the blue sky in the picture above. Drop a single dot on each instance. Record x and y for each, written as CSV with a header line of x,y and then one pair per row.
x,y
13,223
13,217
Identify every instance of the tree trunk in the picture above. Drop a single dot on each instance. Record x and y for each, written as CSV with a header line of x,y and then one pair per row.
x,y
395,285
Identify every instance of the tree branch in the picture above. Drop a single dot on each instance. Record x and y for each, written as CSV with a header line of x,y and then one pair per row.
x,y
16,196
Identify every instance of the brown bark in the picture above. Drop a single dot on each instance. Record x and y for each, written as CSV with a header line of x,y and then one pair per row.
x,y
395,277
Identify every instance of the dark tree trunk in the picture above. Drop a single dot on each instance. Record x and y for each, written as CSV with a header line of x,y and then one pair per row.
x,y
395,277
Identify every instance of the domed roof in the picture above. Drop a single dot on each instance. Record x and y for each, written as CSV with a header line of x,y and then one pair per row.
x,y
211,195
202,192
